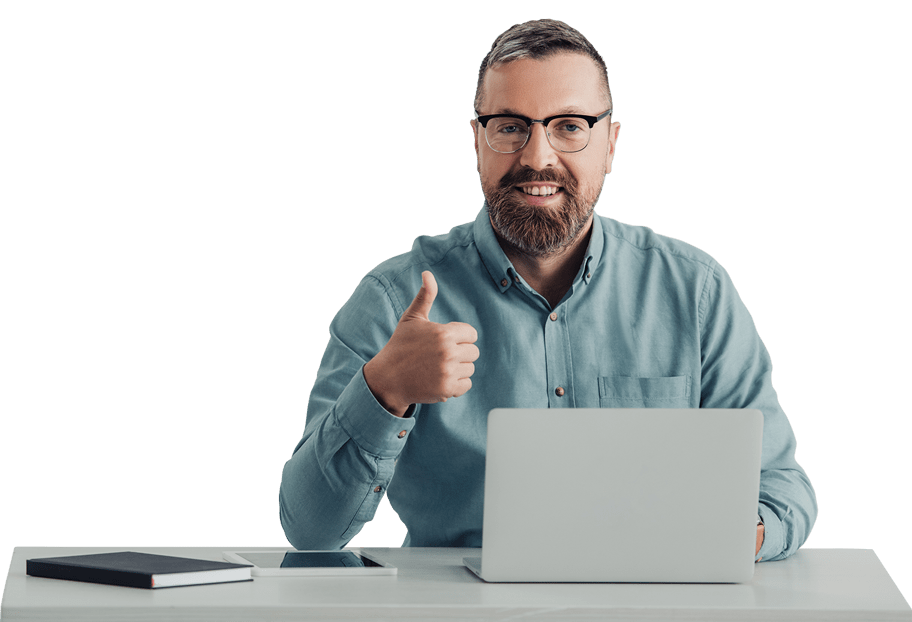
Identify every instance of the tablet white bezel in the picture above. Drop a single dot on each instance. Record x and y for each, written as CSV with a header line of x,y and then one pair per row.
x,y
384,569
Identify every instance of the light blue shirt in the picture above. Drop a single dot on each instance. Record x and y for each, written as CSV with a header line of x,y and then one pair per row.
x,y
649,322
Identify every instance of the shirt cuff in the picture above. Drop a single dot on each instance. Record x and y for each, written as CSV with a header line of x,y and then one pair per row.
x,y
772,534
372,428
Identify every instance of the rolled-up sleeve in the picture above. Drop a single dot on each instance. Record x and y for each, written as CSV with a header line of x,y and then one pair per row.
x,y
342,466
737,373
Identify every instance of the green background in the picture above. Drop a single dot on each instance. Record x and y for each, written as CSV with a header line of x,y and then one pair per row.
x,y
191,190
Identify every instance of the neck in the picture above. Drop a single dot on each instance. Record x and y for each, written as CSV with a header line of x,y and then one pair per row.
x,y
550,275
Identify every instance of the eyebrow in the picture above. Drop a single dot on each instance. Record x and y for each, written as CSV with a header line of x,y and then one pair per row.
x,y
568,110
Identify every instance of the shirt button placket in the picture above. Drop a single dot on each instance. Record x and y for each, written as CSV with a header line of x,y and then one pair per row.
x,y
556,359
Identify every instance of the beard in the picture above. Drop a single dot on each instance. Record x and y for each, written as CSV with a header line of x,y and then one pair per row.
x,y
533,230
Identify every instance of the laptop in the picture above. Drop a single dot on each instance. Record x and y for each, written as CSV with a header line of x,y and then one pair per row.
x,y
620,495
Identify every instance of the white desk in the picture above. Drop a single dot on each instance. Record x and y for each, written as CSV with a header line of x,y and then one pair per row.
x,y
432,584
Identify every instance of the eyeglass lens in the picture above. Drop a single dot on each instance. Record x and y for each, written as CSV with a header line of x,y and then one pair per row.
x,y
509,134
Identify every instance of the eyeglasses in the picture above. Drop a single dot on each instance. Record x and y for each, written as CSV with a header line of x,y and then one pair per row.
x,y
508,133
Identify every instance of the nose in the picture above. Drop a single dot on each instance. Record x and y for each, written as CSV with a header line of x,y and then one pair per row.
x,y
538,152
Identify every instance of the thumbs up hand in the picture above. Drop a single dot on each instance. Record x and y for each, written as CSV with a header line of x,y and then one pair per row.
x,y
423,362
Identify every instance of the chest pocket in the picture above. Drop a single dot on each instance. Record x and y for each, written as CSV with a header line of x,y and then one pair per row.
x,y
636,392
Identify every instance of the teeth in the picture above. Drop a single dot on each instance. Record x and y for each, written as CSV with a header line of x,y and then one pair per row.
x,y
540,190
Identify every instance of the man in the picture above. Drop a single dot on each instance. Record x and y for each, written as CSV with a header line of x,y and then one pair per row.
x,y
538,303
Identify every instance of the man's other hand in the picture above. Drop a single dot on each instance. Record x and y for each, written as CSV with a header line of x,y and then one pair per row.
x,y
423,362
759,539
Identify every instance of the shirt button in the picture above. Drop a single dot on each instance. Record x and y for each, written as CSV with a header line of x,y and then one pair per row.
x,y
504,283
402,434
589,275
559,391
553,317
516,279
378,488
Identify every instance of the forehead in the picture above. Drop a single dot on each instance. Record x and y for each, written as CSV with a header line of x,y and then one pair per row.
x,y
541,87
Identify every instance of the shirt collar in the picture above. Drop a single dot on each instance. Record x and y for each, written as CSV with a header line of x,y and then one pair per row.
x,y
501,269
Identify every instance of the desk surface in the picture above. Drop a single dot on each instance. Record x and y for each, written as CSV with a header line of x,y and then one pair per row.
x,y
432,584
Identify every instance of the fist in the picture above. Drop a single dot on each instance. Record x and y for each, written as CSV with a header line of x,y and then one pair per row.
x,y
423,362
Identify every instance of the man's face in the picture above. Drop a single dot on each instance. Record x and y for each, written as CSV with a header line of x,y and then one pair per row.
x,y
566,185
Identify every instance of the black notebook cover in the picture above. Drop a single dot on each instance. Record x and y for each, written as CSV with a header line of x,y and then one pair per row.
x,y
127,568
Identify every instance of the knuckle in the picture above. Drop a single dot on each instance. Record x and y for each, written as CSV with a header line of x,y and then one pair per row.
x,y
462,387
450,331
442,339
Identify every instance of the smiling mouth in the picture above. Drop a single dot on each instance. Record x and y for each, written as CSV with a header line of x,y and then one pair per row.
x,y
542,191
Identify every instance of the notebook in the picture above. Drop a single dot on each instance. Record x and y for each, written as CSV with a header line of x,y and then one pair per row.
x,y
620,495
133,569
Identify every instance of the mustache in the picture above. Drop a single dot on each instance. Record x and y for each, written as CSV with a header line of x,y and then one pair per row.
x,y
546,175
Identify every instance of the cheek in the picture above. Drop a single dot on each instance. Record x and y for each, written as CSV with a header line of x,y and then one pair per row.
x,y
597,166
491,169
592,175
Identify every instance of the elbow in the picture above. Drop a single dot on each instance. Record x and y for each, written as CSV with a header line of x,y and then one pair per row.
x,y
293,517
303,527
290,524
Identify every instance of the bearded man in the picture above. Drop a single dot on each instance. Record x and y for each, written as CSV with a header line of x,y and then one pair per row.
x,y
538,303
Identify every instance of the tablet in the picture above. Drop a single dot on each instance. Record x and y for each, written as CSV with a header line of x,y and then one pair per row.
x,y
292,563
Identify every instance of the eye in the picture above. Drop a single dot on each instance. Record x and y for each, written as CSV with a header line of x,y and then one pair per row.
x,y
509,126
569,127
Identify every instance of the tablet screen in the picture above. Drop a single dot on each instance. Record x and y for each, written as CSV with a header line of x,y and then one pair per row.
x,y
309,559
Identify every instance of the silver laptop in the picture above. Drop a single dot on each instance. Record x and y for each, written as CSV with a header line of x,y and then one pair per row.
x,y
620,495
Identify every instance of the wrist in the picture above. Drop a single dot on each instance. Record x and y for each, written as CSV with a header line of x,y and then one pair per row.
x,y
381,391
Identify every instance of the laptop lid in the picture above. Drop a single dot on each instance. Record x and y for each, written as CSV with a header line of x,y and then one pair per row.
x,y
621,495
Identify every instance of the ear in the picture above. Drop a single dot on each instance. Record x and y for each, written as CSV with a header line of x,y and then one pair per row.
x,y
613,132
474,125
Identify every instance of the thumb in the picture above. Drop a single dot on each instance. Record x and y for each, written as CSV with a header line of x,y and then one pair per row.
x,y
424,299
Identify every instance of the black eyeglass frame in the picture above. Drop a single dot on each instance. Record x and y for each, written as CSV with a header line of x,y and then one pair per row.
x,y
483,119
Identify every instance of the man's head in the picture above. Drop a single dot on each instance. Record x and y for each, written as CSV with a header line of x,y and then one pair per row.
x,y
538,70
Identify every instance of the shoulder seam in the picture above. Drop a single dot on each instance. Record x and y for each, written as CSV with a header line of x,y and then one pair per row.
x,y
387,288
387,284
659,249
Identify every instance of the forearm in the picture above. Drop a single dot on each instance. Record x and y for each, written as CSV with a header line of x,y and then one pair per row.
x,y
324,512
339,472
788,507
315,514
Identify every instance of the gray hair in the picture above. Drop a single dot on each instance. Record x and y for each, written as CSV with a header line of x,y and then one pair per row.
x,y
538,39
